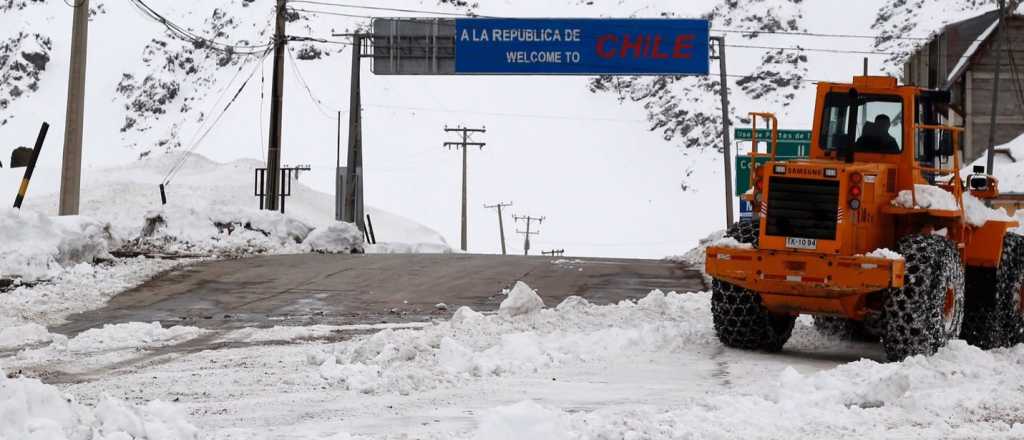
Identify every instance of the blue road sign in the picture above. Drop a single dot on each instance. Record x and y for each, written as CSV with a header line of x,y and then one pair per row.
x,y
503,46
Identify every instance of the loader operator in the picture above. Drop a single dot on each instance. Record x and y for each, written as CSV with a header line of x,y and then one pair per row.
x,y
876,137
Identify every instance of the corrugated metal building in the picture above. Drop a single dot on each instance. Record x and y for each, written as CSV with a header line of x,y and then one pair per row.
x,y
961,58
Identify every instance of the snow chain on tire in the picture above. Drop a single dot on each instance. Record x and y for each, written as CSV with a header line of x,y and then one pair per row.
x,y
992,316
740,319
928,311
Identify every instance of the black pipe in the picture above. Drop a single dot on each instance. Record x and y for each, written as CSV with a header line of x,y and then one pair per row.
x,y
31,165
851,128
369,230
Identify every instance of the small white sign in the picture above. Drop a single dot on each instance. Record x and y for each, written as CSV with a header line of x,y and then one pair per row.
x,y
801,243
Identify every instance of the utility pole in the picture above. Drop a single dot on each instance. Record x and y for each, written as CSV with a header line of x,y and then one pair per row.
x,y
726,139
464,144
337,178
354,169
501,223
71,168
995,89
528,232
276,111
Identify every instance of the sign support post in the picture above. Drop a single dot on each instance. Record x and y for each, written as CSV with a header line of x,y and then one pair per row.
x,y
726,142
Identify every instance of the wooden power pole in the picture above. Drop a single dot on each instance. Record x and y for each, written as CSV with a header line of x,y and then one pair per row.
x,y
726,141
1000,34
276,111
528,232
71,169
464,144
501,223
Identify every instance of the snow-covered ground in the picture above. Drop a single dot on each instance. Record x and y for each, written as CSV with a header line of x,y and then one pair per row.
x,y
649,369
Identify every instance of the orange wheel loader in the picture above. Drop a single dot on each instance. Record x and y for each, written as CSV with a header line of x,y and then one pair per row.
x,y
876,234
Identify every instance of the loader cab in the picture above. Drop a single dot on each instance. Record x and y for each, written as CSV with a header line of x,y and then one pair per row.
x,y
874,120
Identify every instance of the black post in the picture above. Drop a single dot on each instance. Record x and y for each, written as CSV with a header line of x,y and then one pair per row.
x,y
369,230
31,165
163,195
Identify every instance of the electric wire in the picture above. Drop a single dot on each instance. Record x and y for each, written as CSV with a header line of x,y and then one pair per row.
x,y
320,106
209,129
190,36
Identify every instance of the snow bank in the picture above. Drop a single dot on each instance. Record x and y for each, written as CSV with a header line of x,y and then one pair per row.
x,y
219,232
409,248
30,409
729,242
336,238
885,253
521,300
933,197
22,335
472,345
130,335
960,392
36,247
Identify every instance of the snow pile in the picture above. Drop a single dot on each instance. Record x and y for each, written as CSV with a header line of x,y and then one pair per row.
x,y
961,392
21,335
219,232
30,409
695,258
933,197
885,253
409,248
130,335
472,345
82,288
521,300
729,242
35,247
336,238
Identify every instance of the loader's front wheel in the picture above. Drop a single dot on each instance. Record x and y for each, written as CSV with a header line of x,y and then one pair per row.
x,y
929,310
742,322
993,308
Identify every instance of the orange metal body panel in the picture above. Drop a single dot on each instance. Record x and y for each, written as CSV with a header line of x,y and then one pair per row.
x,y
803,282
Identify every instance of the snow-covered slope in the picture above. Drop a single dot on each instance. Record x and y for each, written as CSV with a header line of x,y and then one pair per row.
x,y
599,168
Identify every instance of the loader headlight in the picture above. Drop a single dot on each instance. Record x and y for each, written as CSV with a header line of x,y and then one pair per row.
x,y
831,172
780,169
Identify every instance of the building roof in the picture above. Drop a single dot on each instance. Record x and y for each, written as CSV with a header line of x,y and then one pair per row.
x,y
979,40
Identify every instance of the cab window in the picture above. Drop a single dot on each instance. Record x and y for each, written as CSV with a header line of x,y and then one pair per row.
x,y
878,127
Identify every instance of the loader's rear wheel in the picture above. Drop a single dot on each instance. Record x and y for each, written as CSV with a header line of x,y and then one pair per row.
x,y
929,310
846,329
993,315
745,231
742,322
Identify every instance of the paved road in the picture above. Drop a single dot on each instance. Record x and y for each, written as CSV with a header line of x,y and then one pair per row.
x,y
359,289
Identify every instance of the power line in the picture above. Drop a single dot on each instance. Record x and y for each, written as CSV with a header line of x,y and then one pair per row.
x,y
379,8
181,163
302,81
190,36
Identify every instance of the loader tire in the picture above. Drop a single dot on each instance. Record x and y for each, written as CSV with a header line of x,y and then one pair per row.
x,y
745,231
845,329
992,315
742,322
928,310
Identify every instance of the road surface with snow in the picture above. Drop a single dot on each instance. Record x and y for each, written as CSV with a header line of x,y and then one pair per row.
x,y
312,289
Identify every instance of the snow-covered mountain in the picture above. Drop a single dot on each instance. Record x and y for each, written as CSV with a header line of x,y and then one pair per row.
x,y
607,160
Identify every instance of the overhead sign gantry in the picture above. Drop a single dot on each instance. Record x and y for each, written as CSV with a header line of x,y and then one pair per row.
x,y
516,46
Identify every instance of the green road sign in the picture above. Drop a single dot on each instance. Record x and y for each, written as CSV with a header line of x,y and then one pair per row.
x,y
785,136
792,143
